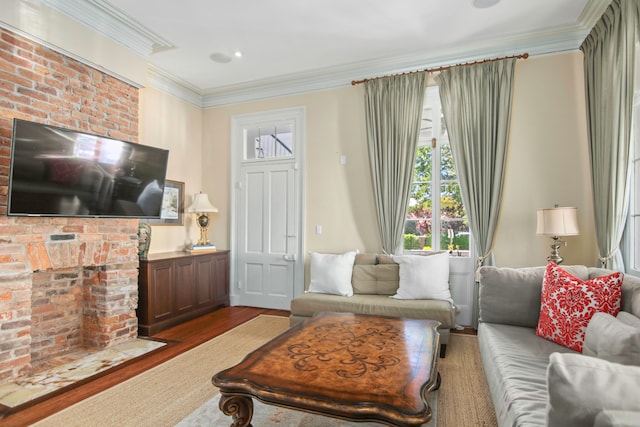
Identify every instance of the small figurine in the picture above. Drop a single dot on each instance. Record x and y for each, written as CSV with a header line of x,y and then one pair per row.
x,y
144,239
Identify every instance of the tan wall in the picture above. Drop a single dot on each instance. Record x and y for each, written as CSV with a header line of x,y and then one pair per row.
x,y
170,123
547,164
338,197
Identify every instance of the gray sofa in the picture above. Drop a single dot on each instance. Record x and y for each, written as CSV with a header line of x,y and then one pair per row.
x,y
375,278
536,382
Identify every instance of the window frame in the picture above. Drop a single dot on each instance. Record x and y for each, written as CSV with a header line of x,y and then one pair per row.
x,y
631,235
437,140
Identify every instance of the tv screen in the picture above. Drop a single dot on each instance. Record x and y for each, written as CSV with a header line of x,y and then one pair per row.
x,y
61,172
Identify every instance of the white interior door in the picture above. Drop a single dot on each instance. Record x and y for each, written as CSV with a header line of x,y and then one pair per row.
x,y
267,261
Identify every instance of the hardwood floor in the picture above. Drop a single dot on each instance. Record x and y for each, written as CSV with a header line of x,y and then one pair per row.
x,y
182,337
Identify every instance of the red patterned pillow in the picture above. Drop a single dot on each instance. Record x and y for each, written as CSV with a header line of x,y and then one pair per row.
x,y
568,303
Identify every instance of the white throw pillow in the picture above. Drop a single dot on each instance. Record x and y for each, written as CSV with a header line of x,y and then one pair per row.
x,y
331,273
581,386
608,338
423,277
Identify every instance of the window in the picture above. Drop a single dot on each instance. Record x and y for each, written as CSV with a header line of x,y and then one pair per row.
x,y
435,202
272,141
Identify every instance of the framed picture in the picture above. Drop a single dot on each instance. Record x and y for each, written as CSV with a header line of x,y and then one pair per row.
x,y
172,205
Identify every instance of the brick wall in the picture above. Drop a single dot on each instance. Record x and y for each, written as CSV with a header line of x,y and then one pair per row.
x,y
98,255
56,312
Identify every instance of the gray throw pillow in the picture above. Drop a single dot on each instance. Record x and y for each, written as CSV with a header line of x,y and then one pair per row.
x,y
580,387
511,296
610,418
608,338
629,319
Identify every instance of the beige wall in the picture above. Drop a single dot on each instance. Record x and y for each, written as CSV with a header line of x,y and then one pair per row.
x,y
170,123
547,164
337,197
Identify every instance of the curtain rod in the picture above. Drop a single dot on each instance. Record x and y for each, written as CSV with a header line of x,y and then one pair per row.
x,y
446,67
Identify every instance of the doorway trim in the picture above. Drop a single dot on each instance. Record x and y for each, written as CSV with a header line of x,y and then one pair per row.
x,y
298,114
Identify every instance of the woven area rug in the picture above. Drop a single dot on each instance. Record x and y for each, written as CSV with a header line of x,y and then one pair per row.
x,y
209,415
167,393
177,389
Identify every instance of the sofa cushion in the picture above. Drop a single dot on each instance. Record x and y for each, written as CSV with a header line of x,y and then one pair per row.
x,y
610,339
423,277
379,279
307,305
616,418
371,277
512,295
581,386
386,259
568,303
365,259
515,363
331,273
629,319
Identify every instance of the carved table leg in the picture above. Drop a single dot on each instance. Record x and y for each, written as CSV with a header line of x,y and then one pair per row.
x,y
239,407
438,381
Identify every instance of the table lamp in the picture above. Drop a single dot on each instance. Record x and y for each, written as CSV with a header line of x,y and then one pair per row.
x,y
557,222
202,207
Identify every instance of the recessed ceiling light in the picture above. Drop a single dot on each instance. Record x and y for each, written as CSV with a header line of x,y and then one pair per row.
x,y
220,57
237,54
483,4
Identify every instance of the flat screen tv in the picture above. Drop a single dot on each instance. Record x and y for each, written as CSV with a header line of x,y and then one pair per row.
x,y
62,172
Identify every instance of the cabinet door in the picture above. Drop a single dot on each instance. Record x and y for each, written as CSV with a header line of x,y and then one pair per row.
x,y
204,279
221,278
185,285
161,290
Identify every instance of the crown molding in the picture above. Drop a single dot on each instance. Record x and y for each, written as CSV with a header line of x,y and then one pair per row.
x,y
69,54
550,42
110,22
168,83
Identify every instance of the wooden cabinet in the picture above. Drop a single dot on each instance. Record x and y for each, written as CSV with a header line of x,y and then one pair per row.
x,y
177,286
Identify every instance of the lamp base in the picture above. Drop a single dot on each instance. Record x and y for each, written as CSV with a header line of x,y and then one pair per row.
x,y
203,222
555,256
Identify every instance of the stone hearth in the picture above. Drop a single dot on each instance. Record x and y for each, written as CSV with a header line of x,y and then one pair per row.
x,y
71,290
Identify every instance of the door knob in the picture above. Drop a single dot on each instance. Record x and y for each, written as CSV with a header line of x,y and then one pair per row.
x,y
290,257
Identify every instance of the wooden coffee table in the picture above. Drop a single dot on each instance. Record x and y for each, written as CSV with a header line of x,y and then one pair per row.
x,y
342,365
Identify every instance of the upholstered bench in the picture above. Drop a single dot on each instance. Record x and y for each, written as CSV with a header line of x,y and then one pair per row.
x,y
375,279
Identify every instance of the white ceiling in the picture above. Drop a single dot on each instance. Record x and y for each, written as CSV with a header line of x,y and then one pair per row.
x,y
301,45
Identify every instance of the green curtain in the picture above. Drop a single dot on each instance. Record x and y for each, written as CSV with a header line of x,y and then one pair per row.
x,y
393,108
609,64
476,102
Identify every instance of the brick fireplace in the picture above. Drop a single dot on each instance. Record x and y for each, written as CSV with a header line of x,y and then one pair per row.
x,y
64,282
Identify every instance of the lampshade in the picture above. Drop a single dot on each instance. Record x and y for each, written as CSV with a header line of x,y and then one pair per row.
x,y
201,203
558,221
